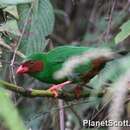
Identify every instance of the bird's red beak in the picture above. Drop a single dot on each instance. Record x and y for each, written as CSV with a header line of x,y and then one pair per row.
x,y
22,69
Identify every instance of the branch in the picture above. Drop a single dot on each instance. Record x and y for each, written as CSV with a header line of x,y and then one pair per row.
x,y
25,92
68,96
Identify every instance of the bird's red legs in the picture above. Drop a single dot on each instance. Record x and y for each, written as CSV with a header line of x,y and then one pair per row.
x,y
54,88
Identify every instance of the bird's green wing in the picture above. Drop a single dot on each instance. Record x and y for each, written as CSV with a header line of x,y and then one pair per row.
x,y
61,54
58,56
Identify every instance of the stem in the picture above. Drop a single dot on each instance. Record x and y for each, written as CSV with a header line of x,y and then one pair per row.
x,y
61,114
3,44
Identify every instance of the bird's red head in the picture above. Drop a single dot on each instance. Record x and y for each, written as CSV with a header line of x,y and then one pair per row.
x,y
30,67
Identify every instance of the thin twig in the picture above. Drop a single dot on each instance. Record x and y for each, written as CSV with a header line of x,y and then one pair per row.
x,y
61,114
8,62
20,39
77,115
55,109
110,20
3,44
19,42
103,107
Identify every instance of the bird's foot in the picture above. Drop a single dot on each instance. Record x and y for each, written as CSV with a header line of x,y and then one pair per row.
x,y
54,89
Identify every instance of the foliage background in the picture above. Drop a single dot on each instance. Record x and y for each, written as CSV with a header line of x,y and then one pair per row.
x,y
40,25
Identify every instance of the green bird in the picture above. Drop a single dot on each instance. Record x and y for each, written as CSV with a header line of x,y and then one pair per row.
x,y
43,66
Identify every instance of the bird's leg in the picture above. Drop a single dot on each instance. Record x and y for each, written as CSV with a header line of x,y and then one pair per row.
x,y
54,89
79,88
77,91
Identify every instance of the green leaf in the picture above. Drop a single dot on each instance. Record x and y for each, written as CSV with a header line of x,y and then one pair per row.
x,y
12,10
23,10
9,113
14,2
124,33
41,25
10,26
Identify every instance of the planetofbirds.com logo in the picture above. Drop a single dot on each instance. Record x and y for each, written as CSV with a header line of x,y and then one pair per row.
x,y
106,123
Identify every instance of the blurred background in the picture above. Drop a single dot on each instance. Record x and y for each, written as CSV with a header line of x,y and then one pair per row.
x,y
72,22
